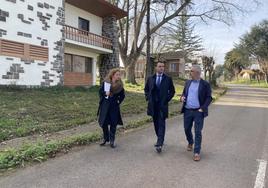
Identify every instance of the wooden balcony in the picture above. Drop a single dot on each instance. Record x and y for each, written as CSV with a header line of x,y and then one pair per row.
x,y
86,37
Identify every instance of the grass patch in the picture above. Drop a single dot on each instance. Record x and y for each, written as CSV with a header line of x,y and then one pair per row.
x,y
253,83
31,111
38,111
42,151
217,92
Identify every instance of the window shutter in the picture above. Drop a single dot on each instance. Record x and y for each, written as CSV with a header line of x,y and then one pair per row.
x,y
23,50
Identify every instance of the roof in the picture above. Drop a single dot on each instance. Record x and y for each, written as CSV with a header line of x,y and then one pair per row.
x,y
246,71
100,8
169,55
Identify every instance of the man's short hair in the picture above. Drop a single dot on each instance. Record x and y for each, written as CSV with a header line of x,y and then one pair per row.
x,y
160,60
197,67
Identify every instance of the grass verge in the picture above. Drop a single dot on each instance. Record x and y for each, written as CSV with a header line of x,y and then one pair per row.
x,y
252,83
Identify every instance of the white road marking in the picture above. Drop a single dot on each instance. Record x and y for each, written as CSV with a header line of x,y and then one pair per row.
x,y
260,179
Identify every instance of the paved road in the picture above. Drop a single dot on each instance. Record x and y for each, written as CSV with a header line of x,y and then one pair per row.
x,y
234,140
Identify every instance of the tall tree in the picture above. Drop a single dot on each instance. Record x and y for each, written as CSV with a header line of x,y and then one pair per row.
x,y
256,44
208,66
183,37
236,60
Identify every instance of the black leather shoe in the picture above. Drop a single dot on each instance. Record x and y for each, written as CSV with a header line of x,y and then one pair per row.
x,y
103,143
112,144
159,149
156,145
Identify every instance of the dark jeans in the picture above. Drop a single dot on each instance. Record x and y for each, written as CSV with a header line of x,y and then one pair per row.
x,y
190,117
109,134
159,125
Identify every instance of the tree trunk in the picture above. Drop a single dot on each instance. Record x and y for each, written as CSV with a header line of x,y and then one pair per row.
x,y
150,69
129,64
266,77
130,74
209,76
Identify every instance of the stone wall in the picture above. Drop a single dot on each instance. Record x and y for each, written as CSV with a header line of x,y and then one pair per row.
x,y
109,61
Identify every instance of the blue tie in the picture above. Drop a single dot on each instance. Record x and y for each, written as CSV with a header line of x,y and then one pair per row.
x,y
158,81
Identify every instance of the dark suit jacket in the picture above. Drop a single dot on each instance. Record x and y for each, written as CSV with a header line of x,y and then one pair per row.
x,y
110,105
204,95
166,93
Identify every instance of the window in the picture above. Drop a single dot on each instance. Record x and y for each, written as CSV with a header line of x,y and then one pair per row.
x,y
23,50
75,63
173,67
83,24
88,65
79,64
68,63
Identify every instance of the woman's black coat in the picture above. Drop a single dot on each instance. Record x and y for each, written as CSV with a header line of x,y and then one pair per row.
x,y
110,106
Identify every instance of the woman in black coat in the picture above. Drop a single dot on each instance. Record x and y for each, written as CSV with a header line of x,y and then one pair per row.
x,y
109,106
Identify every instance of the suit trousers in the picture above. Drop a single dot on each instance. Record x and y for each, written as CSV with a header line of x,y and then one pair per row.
x,y
159,124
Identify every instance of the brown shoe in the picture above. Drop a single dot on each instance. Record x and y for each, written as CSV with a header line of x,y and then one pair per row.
x,y
190,147
197,157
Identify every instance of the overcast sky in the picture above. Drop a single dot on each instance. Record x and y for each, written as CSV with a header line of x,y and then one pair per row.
x,y
218,38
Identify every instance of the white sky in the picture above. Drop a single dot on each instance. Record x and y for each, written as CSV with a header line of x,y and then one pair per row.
x,y
219,38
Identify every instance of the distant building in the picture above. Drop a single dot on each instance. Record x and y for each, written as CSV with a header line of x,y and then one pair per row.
x,y
175,64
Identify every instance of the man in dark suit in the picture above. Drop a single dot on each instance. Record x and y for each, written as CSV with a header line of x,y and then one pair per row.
x,y
196,98
159,90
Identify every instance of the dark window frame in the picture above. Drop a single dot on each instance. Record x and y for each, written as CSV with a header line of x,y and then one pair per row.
x,y
84,20
90,61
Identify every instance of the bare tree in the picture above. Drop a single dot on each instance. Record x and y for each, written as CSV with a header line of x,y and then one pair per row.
x,y
208,66
133,41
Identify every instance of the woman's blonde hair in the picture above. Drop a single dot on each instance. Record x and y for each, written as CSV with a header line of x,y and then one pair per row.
x,y
111,74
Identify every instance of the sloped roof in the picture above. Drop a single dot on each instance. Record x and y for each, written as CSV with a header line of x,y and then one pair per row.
x,y
169,55
246,71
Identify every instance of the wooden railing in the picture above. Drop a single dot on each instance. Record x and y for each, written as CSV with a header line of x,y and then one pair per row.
x,y
86,37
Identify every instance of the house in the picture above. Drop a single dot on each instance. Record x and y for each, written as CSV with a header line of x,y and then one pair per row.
x,y
253,72
56,42
246,74
175,64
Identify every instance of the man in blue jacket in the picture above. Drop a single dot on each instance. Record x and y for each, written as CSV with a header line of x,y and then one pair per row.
x,y
196,98
159,90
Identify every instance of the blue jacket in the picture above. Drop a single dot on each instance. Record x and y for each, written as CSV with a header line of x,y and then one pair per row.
x,y
204,95
166,93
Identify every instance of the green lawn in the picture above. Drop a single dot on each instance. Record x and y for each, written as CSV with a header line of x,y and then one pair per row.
x,y
253,83
24,112
39,111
